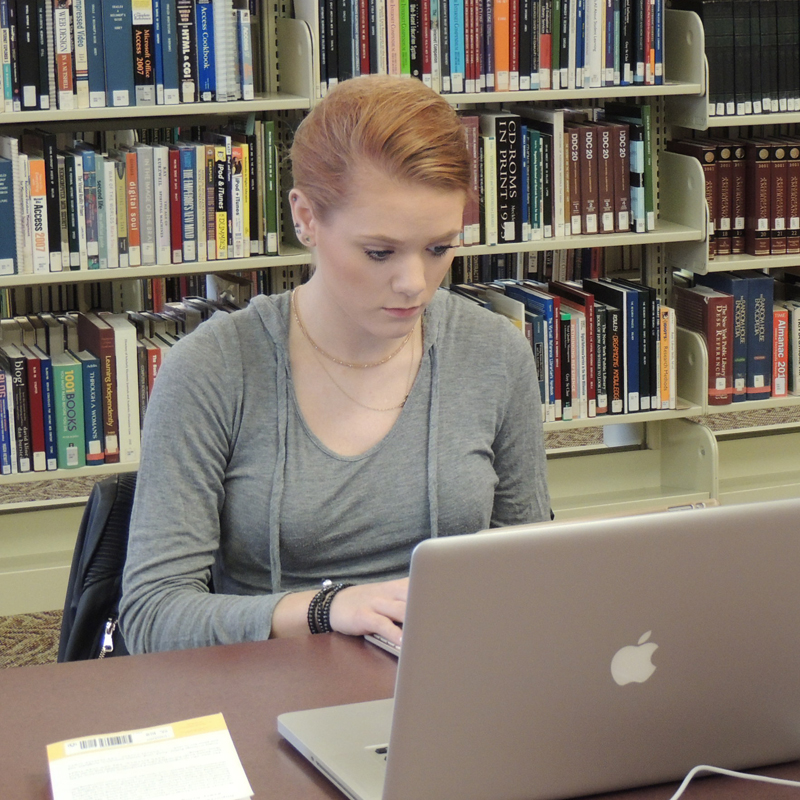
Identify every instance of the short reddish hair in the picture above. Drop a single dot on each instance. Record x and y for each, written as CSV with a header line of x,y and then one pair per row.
x,y
397,125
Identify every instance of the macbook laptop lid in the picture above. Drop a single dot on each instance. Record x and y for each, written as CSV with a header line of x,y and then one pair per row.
x,y
563,659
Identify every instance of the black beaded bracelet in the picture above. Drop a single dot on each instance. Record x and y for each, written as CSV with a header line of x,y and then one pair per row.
x,y
319,609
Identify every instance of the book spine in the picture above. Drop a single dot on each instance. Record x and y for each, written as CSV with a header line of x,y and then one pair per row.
x,y
162,215
19,383
175,206
80,53
188,200
169,51
147,204
36,414
48,409
605,180
27,36
757,230
44,9
144,77
759,341
8,458
121,198
158,54
118,35
792,199
90,208
246,74
778,200
92,412
41,240
69,415
780,352
206,72
5,59
132,205
8,242
187,52
211,214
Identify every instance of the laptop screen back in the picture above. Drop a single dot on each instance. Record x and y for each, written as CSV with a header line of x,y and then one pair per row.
x,y
505,685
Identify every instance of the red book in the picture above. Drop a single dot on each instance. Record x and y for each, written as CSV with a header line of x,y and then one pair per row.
x,y
427,61
757,221
36,410
175,205
780,351
97,336
710,313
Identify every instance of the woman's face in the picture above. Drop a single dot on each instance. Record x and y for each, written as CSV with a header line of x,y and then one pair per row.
x,y
381,256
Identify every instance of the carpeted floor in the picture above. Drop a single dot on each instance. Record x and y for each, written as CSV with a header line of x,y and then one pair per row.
x,y
27,639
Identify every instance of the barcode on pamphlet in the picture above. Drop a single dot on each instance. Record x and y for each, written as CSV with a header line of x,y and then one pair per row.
x,y
75,747
103,741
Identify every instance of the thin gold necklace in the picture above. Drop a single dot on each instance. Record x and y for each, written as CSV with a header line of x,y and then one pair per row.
x,y
409,383
335,360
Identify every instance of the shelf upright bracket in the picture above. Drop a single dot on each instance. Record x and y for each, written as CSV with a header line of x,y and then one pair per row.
x,y
685,61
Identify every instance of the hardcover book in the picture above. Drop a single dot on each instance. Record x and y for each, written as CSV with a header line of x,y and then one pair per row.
x,y
710,313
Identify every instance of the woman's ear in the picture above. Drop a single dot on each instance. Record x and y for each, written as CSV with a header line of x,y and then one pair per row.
x,y
303,217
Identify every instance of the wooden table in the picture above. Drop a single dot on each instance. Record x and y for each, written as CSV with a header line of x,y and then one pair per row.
x,y
250,684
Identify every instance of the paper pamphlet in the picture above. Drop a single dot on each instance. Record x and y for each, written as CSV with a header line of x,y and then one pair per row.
x,y
190,760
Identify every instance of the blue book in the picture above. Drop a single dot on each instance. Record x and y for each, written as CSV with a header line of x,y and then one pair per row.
x,y
658,42
6,455
8,241
158,57
96,54
759,334
457,46
188,201
48,408
118,35
206,68
92,407
541,303
168,16
580,40
90,205
539,345
733,284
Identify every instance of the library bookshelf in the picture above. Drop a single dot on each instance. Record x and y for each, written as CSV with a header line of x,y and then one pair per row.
x,y
653,460
757,462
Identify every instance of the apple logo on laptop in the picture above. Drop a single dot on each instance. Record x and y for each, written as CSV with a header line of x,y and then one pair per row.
x,y
632,664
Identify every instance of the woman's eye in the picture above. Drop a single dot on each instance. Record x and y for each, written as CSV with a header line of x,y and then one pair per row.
x,y
378,255
441,249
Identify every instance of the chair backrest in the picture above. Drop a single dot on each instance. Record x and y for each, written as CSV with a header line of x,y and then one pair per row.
x,y
89,626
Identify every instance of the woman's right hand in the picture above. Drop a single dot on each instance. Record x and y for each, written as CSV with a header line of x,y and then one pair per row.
x,y
356,610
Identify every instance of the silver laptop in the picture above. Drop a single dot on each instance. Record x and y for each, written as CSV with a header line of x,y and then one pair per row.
x,y
558,660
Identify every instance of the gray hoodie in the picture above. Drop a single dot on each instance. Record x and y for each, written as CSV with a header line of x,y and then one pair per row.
x,y
232,482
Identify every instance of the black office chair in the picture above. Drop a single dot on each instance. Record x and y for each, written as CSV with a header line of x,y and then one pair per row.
x,y
89,626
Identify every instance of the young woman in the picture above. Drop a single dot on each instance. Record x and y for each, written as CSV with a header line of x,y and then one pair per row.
x,y
320,434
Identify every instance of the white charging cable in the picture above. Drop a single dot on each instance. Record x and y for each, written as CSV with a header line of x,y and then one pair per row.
x,y
704,768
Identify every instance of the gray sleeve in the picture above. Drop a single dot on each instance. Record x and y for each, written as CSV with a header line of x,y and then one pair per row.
x,y
521,495
190,429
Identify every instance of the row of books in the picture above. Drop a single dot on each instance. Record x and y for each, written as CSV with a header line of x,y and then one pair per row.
x,y
753,53
753,193
751,324
94,53
545,265
605,346
554,172
66,204
74,387
471,46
